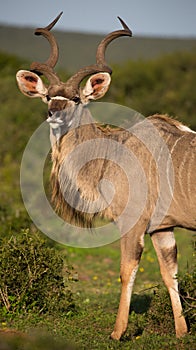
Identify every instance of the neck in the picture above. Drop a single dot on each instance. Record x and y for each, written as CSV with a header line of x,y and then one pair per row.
x,y
80,116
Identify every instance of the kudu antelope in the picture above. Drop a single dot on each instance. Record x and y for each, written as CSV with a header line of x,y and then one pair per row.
x,y
71,124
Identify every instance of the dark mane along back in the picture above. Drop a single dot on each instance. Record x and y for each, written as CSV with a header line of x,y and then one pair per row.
x,y
164,119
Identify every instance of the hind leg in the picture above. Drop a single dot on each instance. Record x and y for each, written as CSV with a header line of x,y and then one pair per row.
x,y
165,246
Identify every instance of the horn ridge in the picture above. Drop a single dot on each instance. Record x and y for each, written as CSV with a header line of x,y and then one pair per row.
x,y
100,56
101,65
71,87
46,68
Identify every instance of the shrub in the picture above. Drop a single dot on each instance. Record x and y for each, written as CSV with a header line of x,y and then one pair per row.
x,y
33,277
159,317
187,284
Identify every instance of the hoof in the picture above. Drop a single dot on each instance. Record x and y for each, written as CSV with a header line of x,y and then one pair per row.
x,y
115,336
181,333
181,330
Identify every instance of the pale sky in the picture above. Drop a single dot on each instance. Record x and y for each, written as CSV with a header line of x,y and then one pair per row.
x,y
144,17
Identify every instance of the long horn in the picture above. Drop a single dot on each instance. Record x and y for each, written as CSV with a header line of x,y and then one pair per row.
x,y
101,66
46,68
100,56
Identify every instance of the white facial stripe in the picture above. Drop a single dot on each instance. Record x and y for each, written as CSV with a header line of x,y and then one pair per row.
x,y
59,98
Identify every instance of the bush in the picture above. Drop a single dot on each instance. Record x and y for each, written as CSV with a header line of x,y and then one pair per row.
x,y
159,318
187,284
33,277
152,314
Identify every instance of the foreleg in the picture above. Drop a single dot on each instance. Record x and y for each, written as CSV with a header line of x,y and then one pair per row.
x,y
131,251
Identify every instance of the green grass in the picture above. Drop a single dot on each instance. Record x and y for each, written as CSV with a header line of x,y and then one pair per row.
x,y
102,264
96,294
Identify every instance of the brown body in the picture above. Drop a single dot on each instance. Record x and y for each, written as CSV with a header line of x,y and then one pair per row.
x,y
163,192
182,149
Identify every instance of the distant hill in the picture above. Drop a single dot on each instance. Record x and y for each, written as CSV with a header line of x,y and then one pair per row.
x,y
78,49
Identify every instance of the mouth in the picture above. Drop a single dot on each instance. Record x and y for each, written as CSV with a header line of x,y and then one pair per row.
x,y
56,122
54,119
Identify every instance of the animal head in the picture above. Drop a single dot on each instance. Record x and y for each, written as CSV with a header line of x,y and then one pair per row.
x,y
67,96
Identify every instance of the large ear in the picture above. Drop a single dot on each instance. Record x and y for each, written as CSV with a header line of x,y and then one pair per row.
x,y
30,84
96,86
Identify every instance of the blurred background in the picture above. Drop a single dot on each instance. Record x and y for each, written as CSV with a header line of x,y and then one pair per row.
x,y
153,72
158,28
150,18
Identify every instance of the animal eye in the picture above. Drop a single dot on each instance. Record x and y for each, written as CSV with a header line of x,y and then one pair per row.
x,y
50,113
76,99
48,98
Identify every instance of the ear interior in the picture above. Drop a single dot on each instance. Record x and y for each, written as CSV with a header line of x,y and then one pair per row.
x,y
30,84
96,86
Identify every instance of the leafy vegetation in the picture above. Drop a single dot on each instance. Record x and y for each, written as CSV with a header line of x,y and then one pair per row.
x,y
96,297
165,85
187,284
33,277
161,86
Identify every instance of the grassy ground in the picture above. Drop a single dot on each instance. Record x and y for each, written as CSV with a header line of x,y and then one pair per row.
x,y
97,292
